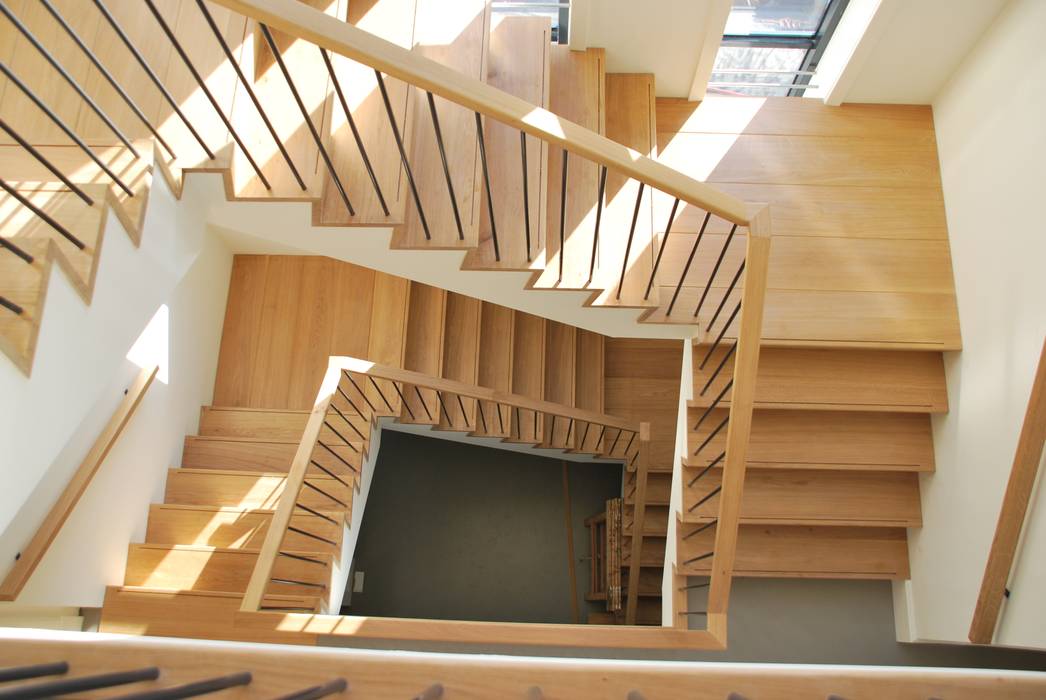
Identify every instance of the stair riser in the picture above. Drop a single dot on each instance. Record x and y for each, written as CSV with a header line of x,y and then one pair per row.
x,y
281,426
270,456
235,530
218,570
247,491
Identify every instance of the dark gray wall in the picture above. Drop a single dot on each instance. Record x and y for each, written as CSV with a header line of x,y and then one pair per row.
x,y
462,532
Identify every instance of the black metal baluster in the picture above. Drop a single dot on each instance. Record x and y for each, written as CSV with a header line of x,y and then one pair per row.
x,y
698,531
707,469
711,435
338,685
42,214
486,184
380,392
714,403
631,235
584,435
403,154
8,245
46,163
336,455
726,295
106,74
21,673
295,582
320,491
715,270
691,560
351,424
417,392
461,407
563,214
205,90
168,97
482,415
31,38
501,421
719,337
348,401
299,557
661,249
313,535
250,91
443,408
446,167
191,690
335,431
706,498
614,444
600,196
526,190
689,261
715,373
57,121
318,514
355,131
82,684
328,472
359,391
331,170
403,400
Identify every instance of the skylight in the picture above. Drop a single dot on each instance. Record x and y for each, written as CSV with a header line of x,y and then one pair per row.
x,y
771,47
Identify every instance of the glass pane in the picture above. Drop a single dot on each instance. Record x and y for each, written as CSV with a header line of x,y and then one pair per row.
x,y
550,8
770,66
789,17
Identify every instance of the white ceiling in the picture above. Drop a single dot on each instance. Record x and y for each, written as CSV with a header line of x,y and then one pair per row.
x,y
919,48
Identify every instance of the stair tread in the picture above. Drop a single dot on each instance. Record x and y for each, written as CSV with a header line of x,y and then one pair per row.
x,y
519,65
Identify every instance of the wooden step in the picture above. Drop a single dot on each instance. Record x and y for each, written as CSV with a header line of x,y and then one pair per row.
x,y
560,379
496,342
391,20
284,425
457,39
821,440
655,520
249,490
461,358
576,93
835,380
652,552
189,567
235,528
423,350
658,488
528,374
626,229
783,551
518,64
259,454
812,497
192,614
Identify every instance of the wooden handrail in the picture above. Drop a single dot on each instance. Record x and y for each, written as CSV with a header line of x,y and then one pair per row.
x,y
638,518
301,21
449,386
281,518
29,558
746,363
337,367
1013,511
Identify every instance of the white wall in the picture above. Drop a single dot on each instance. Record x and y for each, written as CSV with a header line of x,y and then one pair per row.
x,y
51,419
675,498
663,37
990,131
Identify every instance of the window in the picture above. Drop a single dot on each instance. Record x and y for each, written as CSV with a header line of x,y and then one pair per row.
x,y
771,47
558,11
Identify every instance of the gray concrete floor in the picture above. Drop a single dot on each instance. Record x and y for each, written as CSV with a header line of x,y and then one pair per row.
x,y
462,532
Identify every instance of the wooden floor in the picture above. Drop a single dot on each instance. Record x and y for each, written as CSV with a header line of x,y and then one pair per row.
x,y
860,253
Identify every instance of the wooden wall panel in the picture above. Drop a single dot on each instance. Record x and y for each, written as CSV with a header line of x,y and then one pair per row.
x,y
287,314
860,255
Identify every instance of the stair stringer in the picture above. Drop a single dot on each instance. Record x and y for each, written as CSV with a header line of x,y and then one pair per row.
x,y
289,227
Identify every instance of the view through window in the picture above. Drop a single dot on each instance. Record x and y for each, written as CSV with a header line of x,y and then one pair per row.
x,y
558,11
771,47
